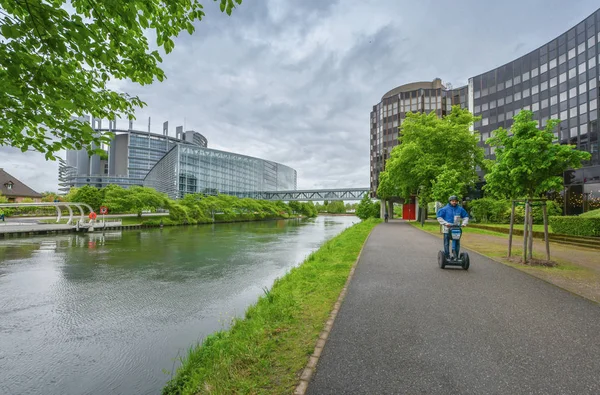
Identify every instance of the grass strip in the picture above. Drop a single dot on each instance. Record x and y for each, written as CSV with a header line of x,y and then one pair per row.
x,y
566,274
267,350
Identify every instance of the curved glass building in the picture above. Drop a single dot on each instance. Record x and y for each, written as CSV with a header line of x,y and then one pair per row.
x,y
192,169
174,165
557,80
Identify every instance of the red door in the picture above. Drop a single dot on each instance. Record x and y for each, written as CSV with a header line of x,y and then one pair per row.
x,y
409,212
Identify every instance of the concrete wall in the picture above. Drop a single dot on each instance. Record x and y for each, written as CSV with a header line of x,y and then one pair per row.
x,y
121,153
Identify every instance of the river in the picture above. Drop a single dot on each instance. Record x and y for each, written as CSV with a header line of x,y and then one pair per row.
x,y
110,313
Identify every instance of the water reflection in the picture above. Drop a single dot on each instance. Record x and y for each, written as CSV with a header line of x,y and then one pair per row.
x,y
106,312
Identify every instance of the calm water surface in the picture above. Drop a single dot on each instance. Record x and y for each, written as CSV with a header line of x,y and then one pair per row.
x,y
108,313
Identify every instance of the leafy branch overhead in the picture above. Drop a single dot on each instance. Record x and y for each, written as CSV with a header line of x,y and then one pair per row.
x,y
57,56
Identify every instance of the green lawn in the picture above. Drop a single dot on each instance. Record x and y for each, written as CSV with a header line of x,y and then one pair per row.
x,y
536,228
434,227
263,352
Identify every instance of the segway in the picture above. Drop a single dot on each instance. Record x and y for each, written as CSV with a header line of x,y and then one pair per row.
x,y
455,259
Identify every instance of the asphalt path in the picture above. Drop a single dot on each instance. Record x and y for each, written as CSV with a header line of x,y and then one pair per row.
x,y
408,327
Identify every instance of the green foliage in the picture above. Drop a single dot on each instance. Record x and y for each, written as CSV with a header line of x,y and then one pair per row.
x,y
591,214
308,209
263,351
368,209
497,211
179,213
489,210
528,162
576,226
87,194
51,197
336,207
133,200
57,63
435,158
553,208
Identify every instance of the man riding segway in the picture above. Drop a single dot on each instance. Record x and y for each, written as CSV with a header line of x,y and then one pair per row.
x,y
450,217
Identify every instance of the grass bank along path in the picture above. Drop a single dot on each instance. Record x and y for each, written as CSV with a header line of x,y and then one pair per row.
x,y
266,351
578,268
408,327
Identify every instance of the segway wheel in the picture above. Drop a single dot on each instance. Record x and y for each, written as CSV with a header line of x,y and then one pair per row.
x,y
464,257
442,259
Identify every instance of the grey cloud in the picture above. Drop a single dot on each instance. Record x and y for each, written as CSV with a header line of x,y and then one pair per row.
x,y
295,81
31,168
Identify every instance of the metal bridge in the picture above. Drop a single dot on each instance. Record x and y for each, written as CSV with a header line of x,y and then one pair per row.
x,y
306,195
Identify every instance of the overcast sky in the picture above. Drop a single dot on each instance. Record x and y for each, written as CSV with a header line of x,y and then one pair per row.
x,y
294,81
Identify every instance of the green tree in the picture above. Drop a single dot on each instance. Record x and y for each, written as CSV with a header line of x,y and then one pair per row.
x,y
436,157
144,198
528,162
56,62
295,206
308,209
88,194
51,197
367,208
336,207
387,188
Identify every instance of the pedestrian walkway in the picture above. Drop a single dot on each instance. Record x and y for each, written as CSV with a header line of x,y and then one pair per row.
x,y
408,327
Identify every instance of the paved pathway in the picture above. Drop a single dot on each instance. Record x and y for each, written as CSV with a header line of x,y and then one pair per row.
x,y
408,327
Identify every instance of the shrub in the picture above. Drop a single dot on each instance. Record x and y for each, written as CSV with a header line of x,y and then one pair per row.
x,y
591,214
553,208
179,213
498,211
489,210
575,226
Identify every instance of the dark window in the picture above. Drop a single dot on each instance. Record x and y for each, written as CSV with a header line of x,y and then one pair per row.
x,y
572,63
562,87
562,68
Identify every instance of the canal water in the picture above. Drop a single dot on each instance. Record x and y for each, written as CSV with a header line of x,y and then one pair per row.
x,y
110,313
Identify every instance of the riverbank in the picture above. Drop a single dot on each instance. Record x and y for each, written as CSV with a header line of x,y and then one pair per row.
x,y
268,349
126,223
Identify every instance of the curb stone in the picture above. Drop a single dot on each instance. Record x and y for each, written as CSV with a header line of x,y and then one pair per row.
x,y
311,365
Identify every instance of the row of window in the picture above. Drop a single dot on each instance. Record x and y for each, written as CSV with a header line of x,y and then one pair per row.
x,y
574,54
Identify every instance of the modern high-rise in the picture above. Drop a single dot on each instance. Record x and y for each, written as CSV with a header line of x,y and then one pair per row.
x,y
557,80
390,112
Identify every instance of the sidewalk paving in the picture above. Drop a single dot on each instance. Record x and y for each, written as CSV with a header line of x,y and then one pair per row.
x,y
406,327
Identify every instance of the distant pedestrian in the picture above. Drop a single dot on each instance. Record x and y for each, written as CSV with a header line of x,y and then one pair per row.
x,y
386,216
2,214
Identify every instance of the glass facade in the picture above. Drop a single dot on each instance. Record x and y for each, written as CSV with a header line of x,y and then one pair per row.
x,y
389,114
130,156
191,169
557,80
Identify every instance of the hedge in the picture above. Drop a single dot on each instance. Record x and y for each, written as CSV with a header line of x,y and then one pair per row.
x,y
575,226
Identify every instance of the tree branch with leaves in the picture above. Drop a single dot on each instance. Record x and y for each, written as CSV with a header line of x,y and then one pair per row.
x,y
436,157
57,57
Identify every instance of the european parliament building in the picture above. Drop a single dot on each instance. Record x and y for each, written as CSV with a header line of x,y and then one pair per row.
x,y
558,80
173,165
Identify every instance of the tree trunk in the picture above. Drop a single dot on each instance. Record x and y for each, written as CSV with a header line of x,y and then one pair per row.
x,y
510,231
530,251
525,233
545,212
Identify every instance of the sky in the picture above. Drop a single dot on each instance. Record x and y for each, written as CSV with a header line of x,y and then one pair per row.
x,y
294,81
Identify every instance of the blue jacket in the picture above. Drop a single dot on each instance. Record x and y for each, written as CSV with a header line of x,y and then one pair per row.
x,y
447,213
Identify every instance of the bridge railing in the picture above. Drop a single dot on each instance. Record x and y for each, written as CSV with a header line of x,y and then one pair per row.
x,y
305,195
59,205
